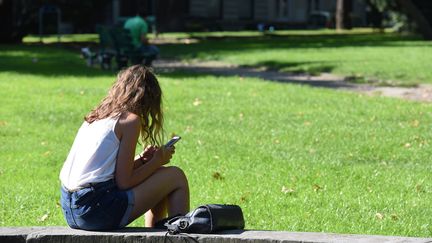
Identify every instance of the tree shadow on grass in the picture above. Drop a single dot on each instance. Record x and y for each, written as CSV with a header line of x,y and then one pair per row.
x,y
272,76
53,61
46,61
309,68
222,45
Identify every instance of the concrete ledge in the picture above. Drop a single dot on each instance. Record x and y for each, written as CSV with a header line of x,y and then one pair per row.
x,y
135,235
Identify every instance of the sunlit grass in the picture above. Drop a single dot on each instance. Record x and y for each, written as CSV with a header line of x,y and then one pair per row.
x,y
61,38
294,158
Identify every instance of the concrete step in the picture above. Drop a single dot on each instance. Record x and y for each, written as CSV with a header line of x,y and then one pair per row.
x,y
134,235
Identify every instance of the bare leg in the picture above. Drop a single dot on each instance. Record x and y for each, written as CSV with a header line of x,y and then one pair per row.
x,y
157,213
167,182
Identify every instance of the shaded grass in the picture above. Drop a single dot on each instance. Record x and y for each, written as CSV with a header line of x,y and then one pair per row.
x,y
294,158
43,60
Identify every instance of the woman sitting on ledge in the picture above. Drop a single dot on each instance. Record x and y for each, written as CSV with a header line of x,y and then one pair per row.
x,y
103,185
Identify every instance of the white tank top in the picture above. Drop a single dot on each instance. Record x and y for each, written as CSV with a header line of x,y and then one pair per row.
x,y
93,155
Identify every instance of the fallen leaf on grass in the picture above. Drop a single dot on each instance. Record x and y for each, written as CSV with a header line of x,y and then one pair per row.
x,y
217,176
407,145
245,196
287,190
394,217
415,123
379,216
197,102
43,218
316,187
3,123
419,188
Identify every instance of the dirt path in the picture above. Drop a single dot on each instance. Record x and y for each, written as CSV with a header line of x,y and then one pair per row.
x,y
422,93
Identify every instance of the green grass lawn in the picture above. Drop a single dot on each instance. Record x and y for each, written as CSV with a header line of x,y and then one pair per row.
x,y
294,158
383,59
361,54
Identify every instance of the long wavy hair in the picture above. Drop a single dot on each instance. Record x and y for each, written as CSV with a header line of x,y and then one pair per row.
x,y
137,91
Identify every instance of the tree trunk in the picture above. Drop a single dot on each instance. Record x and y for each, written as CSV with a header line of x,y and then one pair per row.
x,y
339,14
417,16
343,14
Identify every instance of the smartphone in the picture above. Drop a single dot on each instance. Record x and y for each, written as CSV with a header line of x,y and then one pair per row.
x,y
173,140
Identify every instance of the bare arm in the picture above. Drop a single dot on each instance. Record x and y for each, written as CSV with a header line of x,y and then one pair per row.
x,y
127,173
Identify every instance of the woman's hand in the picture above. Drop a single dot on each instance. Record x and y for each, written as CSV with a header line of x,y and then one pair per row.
x,y
148,152
163,155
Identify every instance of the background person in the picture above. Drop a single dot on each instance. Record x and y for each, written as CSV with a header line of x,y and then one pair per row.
x,y
103,185
138,28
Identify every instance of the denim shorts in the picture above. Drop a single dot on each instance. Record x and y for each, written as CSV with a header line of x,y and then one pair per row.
x,y
101,206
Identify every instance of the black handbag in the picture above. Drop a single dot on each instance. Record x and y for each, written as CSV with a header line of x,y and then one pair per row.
x,y
208,218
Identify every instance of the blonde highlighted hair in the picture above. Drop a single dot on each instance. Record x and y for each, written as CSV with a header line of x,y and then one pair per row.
x,y
137,91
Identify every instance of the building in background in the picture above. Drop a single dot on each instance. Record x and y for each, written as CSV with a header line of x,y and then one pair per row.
x,y
21,17
200,15
241,14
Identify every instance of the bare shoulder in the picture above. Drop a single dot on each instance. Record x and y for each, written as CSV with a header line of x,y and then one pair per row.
x,y
129,118
128,123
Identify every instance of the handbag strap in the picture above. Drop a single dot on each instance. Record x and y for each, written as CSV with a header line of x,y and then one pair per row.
x,y
211,217
174,229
